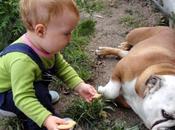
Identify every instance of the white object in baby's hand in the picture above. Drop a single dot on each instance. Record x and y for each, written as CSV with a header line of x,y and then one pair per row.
x,y
68,125
97,95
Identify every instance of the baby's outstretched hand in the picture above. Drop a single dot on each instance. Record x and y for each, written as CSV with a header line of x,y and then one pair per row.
x,y
86,91
52,122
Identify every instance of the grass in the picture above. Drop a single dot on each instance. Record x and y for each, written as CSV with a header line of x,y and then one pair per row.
x,y
87,115
10,123
95,115
90,6
132,19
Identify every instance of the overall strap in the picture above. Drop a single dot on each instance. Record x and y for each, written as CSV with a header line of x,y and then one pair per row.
x,y
23,48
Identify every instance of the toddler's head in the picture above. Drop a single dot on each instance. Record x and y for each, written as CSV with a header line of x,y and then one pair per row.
x,y
35,12
50,22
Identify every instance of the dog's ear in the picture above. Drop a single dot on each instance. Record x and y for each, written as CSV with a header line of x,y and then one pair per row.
x,y
143,81
152,84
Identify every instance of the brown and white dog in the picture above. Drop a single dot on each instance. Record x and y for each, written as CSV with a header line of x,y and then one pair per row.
x,y
145,76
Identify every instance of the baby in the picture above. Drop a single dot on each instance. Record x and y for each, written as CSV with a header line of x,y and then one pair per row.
x,y
24,65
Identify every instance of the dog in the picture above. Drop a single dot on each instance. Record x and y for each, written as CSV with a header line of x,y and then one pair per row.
x,y
144,78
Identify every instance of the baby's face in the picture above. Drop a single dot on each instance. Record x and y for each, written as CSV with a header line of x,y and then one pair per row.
x,y
58,31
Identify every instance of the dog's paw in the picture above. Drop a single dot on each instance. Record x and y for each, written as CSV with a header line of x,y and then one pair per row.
x,y
124,46
101,89
101,51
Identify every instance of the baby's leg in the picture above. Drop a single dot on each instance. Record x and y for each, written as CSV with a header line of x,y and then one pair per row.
x,y
9,105
42,94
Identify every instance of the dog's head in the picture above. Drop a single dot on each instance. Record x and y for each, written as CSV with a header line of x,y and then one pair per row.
x,y
158,94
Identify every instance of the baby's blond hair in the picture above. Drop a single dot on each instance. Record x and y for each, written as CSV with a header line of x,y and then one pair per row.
x,y
41,11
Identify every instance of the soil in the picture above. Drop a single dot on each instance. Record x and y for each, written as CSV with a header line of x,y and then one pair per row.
x,y
110,31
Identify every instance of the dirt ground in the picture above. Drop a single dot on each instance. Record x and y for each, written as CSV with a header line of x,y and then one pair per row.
x,y
110,31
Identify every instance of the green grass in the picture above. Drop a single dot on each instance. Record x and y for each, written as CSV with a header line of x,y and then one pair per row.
x,y
10,24
10,124
96,115
86,114
131,21
90,6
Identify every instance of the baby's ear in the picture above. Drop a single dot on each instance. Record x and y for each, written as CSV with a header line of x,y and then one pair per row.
x,y
40,30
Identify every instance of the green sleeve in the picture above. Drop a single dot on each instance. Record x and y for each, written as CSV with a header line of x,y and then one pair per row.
x,y
23,74
67,73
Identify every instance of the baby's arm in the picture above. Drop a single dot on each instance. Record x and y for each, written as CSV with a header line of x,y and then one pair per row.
x,y
66,73
71,78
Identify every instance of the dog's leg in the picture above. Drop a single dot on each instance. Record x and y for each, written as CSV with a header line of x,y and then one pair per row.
x,y
122,102
111,90
140,34
103,51
125,46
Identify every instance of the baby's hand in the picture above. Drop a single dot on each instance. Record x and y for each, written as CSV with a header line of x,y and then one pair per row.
x,y
86,91
52,122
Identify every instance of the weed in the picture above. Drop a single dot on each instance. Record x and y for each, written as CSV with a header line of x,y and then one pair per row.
x,y
132,20
10,124
10,24
95,115
85,28
86,114
90,6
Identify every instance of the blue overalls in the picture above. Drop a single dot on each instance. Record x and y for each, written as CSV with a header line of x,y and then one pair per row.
x,y
41,87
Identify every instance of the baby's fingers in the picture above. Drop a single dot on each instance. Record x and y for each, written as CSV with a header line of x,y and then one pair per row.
x,y
60,121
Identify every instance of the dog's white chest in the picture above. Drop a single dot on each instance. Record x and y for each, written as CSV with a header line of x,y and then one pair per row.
x,y
132,98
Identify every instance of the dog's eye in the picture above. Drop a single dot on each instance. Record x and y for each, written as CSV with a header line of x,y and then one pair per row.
x,y
167,115
153,80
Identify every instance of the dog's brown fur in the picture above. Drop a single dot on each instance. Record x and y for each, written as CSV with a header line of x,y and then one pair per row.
x,y
152,52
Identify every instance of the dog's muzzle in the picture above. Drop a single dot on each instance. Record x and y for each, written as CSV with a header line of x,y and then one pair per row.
x,y
166,118
167,128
